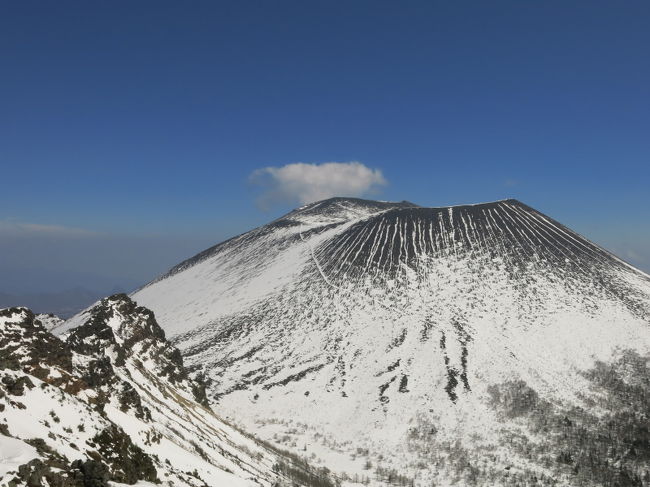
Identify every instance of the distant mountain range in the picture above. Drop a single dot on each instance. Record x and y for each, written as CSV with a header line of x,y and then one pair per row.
x,y
63,303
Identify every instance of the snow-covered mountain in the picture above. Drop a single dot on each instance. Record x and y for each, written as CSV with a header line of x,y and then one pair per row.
x,y
110,403
391,341
50,320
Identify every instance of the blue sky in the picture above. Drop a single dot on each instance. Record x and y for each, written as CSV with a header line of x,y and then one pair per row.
x,y
130,131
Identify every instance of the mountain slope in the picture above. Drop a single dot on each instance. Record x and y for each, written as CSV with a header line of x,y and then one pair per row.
x,y
384,337
113,401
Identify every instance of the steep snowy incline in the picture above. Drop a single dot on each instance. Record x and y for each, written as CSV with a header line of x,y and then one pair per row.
x,y
370,333
239,272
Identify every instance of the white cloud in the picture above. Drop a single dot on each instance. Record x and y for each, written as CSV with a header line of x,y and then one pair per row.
x,y
20,229
305,183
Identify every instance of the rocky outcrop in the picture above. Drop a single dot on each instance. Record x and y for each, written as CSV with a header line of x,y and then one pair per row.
x,y
120,329
26,344
112,402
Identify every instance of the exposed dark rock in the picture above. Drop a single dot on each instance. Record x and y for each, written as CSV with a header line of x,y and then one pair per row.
x,y
16,386
403,384
294,377
126,461
99,372
26,345
130,399
94,474
136,329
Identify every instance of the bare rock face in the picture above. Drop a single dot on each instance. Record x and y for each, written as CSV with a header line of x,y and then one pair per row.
x,y
30,354
118,328
26,345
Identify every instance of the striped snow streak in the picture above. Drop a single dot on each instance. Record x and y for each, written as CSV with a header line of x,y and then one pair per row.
x,y
502,242
466,231
500,214
428,249
384,246
554,244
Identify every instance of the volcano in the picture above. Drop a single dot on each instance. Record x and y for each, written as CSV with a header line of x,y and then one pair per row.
x,y
481,344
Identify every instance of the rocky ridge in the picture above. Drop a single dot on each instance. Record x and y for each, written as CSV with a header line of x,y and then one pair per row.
x,y
111,402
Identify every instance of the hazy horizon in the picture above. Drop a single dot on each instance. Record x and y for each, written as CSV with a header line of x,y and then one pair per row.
x,y
161,254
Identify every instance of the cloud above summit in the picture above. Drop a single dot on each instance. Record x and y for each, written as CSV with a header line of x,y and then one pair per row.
x,y
302,183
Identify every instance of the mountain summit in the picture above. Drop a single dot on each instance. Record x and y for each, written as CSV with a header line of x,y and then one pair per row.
x,y
438,344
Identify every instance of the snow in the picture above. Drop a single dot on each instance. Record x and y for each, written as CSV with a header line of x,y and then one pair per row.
x,y
14,453
140,483
50,321
50,414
